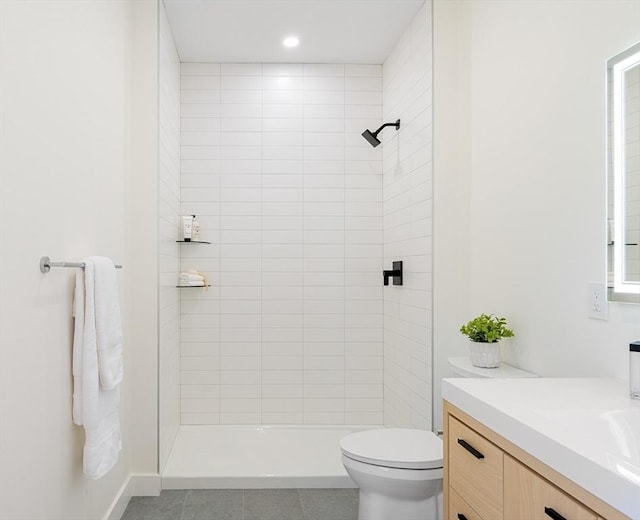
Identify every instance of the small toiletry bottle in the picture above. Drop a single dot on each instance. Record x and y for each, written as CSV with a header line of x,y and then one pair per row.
x,y
634,369
187,224
195,230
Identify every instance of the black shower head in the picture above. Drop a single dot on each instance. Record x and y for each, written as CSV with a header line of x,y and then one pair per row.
x,y
373,140
372,137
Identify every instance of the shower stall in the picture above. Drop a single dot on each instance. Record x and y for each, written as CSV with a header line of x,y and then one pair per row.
x,y
297,342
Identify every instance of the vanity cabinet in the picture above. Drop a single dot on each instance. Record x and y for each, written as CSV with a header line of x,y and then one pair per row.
x,y
486,477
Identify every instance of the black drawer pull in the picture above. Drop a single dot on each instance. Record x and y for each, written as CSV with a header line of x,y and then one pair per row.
x,y
553,514
461,517
470,449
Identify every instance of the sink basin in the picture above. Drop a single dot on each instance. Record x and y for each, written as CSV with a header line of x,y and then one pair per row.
x,y
616,431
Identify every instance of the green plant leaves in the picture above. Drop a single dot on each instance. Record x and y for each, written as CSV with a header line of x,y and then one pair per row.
x,y
487,328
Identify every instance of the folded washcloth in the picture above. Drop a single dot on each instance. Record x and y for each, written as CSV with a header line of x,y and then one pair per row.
x,y
196,283
188,278
191,277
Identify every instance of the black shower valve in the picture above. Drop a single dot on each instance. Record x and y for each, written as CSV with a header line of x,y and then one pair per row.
x,y
395,273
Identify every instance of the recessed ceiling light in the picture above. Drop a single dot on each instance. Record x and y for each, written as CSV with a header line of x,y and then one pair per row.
x,y
291,42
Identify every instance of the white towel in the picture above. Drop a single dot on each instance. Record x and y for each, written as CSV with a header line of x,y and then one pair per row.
x,y
108,323
94,407
186,278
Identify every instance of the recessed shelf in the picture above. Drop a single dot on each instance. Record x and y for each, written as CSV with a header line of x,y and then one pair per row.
x,y
192,286
193,241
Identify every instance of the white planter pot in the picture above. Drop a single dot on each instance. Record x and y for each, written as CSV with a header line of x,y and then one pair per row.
x,y
484,355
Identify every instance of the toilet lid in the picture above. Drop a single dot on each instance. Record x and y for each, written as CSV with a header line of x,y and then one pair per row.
x,y
394,448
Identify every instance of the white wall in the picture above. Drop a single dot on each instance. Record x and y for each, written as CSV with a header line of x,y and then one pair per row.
x,y
142,237
536,161
169,249
451,186
63,163
290,194
408,227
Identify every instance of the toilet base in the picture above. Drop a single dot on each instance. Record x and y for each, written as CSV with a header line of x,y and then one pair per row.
x,y
375,506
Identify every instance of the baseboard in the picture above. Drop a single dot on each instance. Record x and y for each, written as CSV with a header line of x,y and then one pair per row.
x,y
148,485
119,503
326,482
134,486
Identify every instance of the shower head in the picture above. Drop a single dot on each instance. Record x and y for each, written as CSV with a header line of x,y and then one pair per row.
x,y
372,137
373,140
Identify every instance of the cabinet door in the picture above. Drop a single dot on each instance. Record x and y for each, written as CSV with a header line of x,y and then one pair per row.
x,y
475,470
527,496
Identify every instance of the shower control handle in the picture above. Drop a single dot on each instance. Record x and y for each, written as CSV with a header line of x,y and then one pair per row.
x,y
461,517
470,449
395,273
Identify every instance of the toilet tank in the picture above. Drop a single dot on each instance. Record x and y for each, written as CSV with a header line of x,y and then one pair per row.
x,y
462,367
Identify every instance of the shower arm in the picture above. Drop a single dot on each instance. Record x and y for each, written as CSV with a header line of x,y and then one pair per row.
x,y
396,124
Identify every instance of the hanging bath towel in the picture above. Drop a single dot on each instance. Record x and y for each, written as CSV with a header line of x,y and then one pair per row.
x,y
97,364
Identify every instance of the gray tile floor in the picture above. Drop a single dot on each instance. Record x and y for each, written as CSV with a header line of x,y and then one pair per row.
x,y
246,504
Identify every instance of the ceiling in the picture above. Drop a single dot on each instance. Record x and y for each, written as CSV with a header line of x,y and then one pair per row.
x,y
330,31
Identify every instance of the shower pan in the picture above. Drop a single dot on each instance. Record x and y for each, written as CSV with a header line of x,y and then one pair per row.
x,y
230,457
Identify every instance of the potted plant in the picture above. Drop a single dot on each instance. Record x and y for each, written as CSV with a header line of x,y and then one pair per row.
x,y
485,332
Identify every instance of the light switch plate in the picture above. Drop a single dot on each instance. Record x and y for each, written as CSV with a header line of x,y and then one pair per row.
x,y
597,304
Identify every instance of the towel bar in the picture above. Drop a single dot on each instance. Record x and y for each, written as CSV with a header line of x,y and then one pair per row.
x,y
46,264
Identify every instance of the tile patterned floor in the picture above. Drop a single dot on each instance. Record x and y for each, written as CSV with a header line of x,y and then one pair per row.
x,y
246,504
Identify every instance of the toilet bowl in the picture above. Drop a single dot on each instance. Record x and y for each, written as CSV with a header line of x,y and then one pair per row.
x,y
398,471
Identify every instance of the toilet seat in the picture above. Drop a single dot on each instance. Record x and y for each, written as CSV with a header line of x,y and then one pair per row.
x,y
394,448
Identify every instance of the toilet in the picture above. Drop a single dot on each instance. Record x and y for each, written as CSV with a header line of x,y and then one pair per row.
x,y
399,471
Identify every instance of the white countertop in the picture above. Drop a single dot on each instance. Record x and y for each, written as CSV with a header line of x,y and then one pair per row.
x,y
586,429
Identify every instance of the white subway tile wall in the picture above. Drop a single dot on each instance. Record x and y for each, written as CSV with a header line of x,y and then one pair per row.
x,y
169,252
291,197
407,164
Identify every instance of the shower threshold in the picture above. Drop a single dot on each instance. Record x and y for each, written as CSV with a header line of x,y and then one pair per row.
x,y
258,457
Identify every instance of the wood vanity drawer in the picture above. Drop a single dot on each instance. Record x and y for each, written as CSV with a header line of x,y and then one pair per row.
x,y
529,496
475,470
459,509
